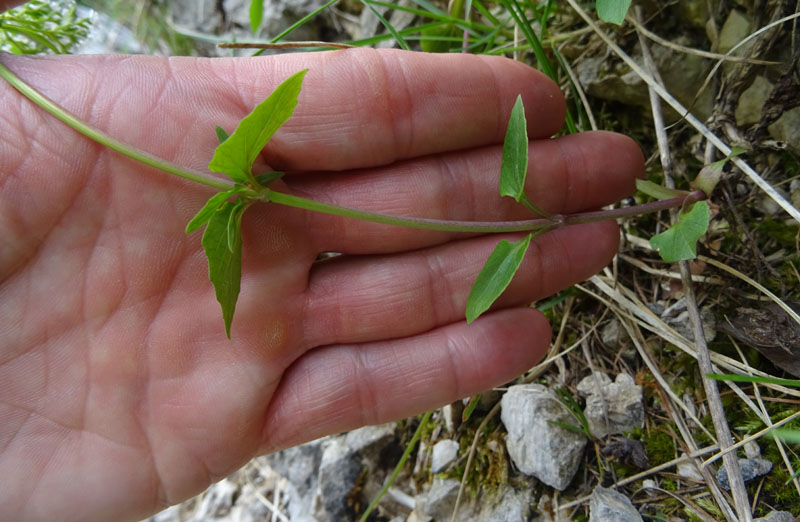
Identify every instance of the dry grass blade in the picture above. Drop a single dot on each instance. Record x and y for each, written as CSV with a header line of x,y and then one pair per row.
x,y
690,50
722,266
724,439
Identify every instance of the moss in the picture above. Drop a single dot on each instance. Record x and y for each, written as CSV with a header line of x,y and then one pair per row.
x,y
659,446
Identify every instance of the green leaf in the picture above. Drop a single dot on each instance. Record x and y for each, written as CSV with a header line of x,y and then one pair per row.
x,y
268,177
221,134
514,167
709,176
654,190
235,156
256,14
679,242
235,224
496,275
613,11
473,402
787,435
224,264
205,213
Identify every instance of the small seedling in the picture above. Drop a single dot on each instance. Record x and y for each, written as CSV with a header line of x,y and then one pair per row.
x,y
235,154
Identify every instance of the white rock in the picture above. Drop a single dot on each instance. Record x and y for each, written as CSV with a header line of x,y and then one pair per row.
x,y
550,453
444,452
593,383
615,408
608,505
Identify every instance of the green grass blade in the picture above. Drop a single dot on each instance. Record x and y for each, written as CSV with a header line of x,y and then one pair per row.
x,y
396,35
753,378
397,469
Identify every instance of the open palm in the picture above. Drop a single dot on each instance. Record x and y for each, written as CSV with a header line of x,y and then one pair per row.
x,y
119,392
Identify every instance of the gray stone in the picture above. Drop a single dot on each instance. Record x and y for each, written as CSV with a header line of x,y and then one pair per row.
x,y
549,512
338,474
440,500
751,468
444,452
593,383
777,516
787,129
608,505
512,506
299,465
550,453
683,325
735,29
751,102
683,74
615,408
369,441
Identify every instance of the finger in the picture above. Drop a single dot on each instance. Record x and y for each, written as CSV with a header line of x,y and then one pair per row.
x,y
568,174
358,107
371,298
336,388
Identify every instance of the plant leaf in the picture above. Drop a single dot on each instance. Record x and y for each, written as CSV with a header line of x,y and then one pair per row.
x,y
496,275
679,242
221,134
654,190
235,224
235,156
514,166
268,177
224,264
473,402
205,213
256,14
613,11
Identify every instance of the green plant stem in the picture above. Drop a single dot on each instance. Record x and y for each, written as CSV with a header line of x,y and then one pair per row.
x,y
281,198
103,138
409,448
409,222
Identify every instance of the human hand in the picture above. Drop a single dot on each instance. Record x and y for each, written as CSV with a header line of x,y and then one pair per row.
x,y
119,393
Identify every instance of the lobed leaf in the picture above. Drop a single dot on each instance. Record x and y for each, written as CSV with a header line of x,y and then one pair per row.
x,y
235,156
679,242
514,166
224,262
496,275
613,11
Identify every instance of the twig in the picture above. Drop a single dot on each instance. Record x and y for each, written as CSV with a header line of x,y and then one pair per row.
x,y
731,463
282,45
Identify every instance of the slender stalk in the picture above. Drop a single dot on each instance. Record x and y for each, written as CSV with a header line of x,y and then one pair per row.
x,y
409,448
103,138
409,222
281,198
